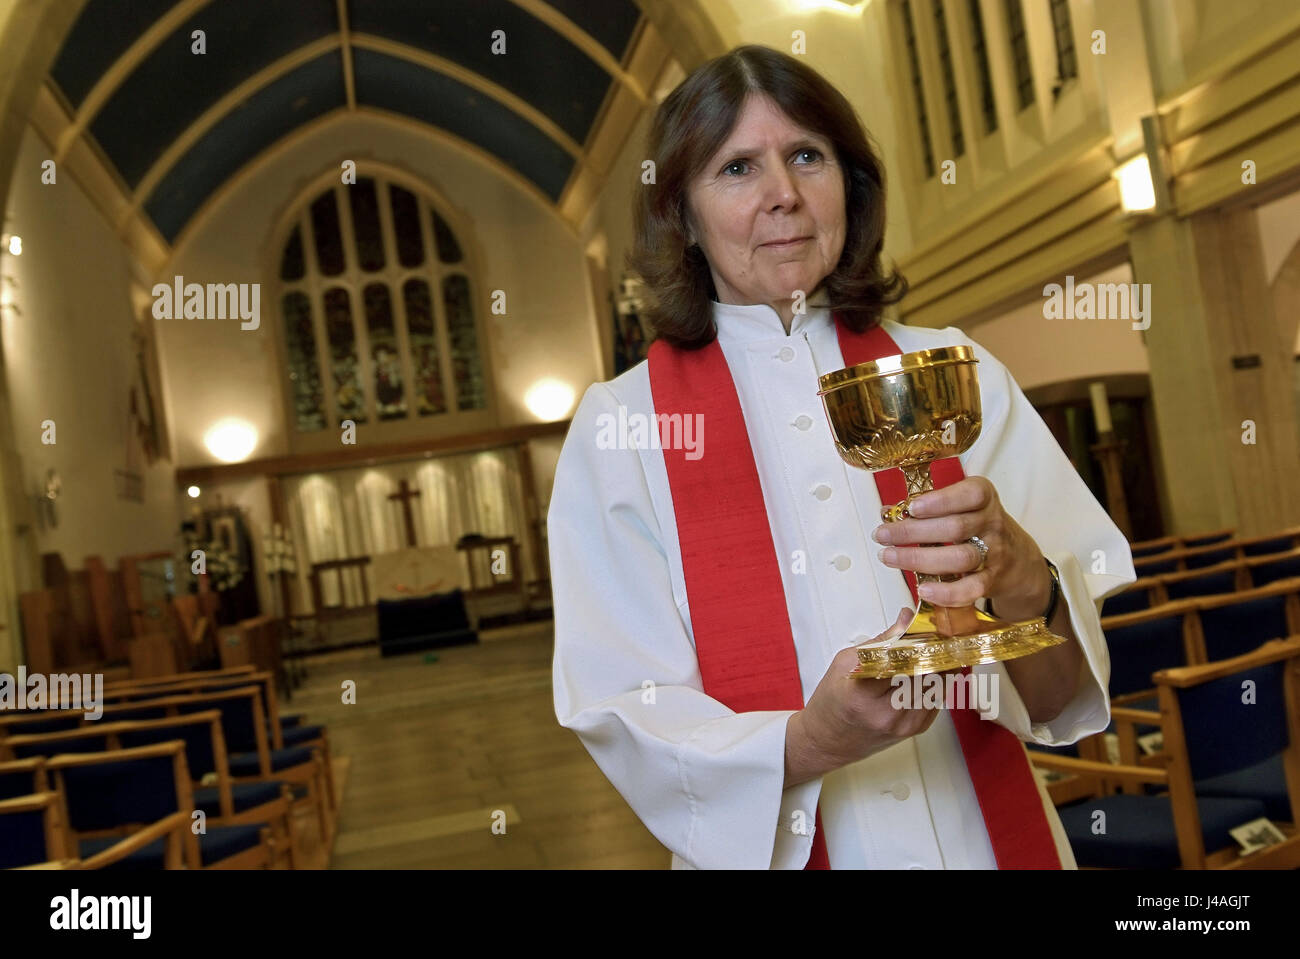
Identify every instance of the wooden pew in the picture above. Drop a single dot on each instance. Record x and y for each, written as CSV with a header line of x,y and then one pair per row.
x,y
182,845
116,735
1151,547
1241,549
1177,773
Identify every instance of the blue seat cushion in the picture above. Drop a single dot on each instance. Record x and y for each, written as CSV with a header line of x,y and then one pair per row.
x,y
22,839
1265,781
1140,829
1129,601
243,795
297,735
222,842
246,764
149,858
17,783
1156,568
218,843
1279,544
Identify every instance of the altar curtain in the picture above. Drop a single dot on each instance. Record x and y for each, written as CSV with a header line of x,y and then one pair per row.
x,y
345,513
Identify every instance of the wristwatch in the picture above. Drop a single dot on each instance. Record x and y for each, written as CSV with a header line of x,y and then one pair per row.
x,y
1056,590
1051,601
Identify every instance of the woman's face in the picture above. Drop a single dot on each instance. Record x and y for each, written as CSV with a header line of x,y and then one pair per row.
x,y
770,181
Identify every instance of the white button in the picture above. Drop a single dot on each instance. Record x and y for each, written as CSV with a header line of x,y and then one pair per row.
x,y
804,422
786,354
900,791
822,492
842,563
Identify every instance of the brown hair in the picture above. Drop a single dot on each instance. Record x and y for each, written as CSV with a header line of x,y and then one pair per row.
x,y
690,127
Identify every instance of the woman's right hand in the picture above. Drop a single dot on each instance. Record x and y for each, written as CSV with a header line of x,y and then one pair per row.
x,y
848,719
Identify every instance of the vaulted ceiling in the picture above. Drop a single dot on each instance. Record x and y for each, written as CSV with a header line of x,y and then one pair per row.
x,y
174,125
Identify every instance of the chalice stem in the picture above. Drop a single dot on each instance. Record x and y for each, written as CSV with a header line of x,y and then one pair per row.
x,y
931,618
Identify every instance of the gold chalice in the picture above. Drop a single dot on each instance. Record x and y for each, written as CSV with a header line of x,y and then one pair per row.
x,y
908,411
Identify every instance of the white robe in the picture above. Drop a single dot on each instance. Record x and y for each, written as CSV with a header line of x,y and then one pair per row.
x,y
708,782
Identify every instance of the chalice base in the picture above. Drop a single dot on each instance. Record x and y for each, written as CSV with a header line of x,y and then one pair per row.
x,y
923,648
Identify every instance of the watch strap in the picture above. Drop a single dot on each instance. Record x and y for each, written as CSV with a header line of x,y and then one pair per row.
x,y
1052,600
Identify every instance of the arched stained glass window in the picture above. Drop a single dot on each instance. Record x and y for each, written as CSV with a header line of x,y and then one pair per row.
x,y
468,373
344,363
448,248
379,312
304,371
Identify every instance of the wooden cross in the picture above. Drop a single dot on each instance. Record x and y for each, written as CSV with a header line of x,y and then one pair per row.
x,y
406,494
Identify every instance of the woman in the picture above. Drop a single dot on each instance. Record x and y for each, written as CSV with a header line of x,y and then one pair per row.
x,y
760,243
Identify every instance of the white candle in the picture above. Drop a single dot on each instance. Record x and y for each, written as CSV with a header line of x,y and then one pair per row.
x,y
1101,407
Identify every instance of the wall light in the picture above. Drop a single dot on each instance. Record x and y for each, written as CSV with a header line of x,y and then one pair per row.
x,y
1144,179
193,492
549,399
16,245
1137,191
231,440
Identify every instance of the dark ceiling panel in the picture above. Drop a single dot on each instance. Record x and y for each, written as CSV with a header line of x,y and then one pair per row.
x,y
403,87
313,89
609,22
173,86
539,65
102,33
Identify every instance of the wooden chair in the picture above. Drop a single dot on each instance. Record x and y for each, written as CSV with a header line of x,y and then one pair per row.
x,y
1266,570
1182,558
1152,546
1212,732
1233,575
198,628
1238,623
284,731
22,777
44,721
153,783
251,758
1207,539
223,804
193,675
33,833
1140,643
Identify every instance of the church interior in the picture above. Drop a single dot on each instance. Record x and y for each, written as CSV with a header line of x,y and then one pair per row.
x,y
298,298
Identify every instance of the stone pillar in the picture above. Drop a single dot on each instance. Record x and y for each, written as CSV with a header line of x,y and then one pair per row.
x,y
1218,367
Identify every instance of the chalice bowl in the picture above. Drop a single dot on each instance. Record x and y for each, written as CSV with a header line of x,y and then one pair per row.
x,y
908,411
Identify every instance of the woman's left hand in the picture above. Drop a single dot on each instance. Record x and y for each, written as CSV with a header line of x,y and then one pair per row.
x,y
1014,574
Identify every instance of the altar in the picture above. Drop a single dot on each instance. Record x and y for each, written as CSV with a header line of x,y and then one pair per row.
x,y
370,562
420,597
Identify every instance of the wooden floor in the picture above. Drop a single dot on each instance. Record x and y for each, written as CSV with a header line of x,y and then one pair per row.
x,y
434,749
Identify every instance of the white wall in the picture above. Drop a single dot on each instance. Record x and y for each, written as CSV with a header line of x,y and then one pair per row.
x,y
216,369
1039,351
1279,231
69,357
1186,37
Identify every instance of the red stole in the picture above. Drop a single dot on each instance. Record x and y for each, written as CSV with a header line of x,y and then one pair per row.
x,y
736,599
